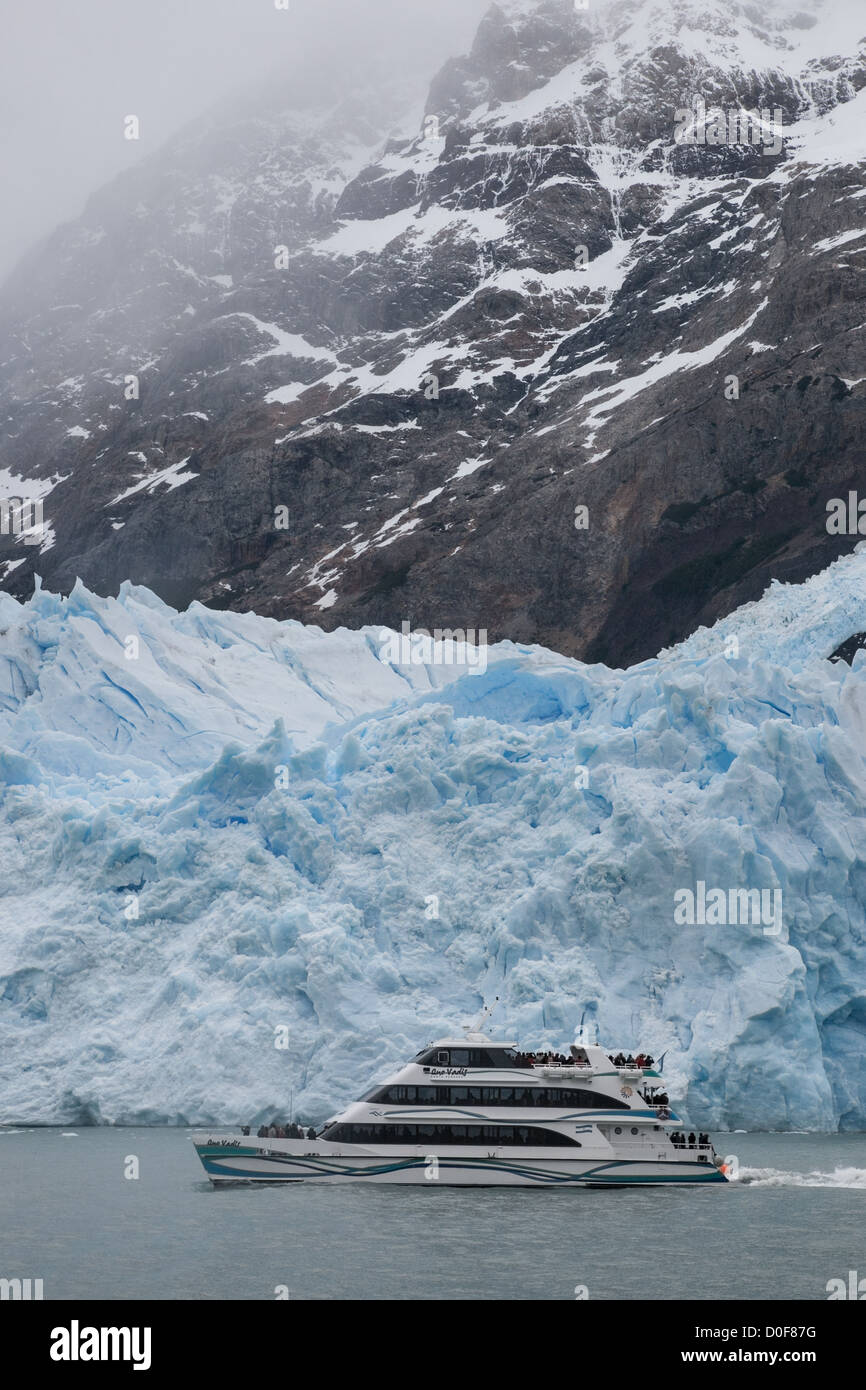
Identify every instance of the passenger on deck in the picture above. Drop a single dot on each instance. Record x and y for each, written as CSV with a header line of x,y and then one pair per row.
x,y
692,1141
262,1132
703,1139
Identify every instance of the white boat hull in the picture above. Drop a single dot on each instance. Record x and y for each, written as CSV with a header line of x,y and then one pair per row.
x,y
243,1159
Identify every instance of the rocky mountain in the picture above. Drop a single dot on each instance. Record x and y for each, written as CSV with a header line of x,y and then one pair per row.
x,y
577,361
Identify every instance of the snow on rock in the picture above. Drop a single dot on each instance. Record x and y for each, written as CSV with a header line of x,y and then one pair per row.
x,y
215,825
170,477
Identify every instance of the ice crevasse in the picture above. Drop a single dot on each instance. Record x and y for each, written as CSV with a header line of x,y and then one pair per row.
x,y
248,865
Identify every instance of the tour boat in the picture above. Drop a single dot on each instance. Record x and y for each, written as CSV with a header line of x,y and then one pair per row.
x,y
473,1112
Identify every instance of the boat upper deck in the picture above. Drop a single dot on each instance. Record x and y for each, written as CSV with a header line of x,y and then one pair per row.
x,y
476,1052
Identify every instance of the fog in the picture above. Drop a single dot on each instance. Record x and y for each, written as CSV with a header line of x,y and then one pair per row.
x,y
71,70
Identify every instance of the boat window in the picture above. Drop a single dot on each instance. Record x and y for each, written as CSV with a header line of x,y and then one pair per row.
x,y
498,1057
523,1097
491,1135
468,1057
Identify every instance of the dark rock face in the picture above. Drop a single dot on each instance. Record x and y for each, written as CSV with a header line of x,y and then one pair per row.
x,y
375,387
847,650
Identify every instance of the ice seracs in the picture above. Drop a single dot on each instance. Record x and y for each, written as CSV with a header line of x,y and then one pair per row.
x,y
252,823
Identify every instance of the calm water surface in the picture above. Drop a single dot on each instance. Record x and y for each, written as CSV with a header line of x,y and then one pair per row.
x,y
69,1216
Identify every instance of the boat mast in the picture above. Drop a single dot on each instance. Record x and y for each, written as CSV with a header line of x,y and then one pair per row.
x,y
486,1013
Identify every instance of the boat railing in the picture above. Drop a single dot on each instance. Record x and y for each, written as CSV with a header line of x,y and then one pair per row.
x,y
587,1071
567,1069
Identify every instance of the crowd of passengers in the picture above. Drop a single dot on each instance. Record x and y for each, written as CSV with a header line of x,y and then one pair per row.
x,y
681,1141
289,1131
556,1059
547,1059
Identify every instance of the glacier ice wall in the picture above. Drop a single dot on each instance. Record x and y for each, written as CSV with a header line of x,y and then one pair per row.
x,y
220,833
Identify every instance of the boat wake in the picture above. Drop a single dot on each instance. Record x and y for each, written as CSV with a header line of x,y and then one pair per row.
x,y
778,1177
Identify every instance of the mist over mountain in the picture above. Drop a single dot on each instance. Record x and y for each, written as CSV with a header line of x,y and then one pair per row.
x,y
356,351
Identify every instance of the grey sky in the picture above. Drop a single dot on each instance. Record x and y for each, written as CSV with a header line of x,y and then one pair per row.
x,y
70,70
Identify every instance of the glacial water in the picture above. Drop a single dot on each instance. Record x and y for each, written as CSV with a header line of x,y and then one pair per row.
x,y
69,1216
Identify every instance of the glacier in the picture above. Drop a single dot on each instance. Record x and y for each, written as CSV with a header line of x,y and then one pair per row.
x,y
250,866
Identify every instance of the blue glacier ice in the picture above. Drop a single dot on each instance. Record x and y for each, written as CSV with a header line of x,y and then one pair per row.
x,y
222,833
